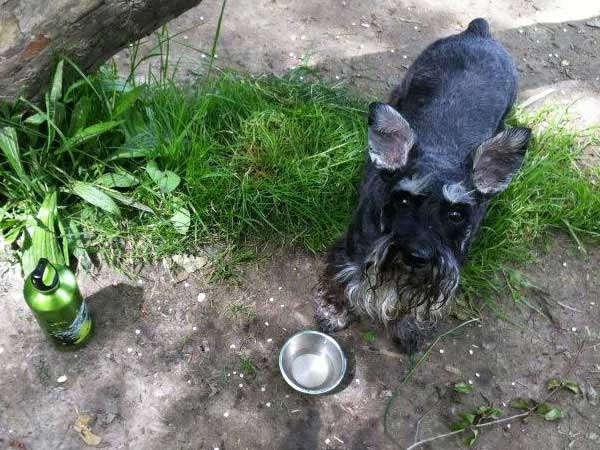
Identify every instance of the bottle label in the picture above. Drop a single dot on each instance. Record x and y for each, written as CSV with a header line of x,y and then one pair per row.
x,y
77,330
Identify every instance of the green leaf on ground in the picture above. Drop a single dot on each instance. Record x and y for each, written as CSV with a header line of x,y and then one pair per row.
x,y
181,220
95,196
463,388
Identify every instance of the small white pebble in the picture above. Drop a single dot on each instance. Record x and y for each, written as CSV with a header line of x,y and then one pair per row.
x,y
292,54
201,297
139,353
358,381
442,351
61,379
470,381
327,441
241,385
226,414
232,346
520,31
513,384
74,356
266,324
263,389
404,56
564,264
337,77
269,340
229,374
201,17
194,328
216,448
302,37
140,281
564,30
477,374
203,55
189,381
185,38
470,352
186,284
279,288
574,329
392,51
234,372
365,25
268,404
129,349
591,303
108,355
550,55
137,331
271,299
556,55
287,395
537,41
282,305
241,375
353,24
301,78
1,350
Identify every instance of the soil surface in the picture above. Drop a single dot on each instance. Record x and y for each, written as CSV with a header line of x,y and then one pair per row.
x,y
164,369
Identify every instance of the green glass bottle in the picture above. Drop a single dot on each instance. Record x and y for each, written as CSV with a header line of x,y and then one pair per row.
x,y
52,294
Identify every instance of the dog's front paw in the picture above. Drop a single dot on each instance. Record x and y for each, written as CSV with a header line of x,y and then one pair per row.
x,y
410,334
331,318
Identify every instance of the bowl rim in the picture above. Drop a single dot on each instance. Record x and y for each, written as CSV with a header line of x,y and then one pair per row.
x,y
302,389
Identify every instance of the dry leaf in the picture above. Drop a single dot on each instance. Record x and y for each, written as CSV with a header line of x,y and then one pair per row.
x,y
82,426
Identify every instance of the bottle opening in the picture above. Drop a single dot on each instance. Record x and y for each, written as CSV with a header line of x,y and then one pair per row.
x,y
44,277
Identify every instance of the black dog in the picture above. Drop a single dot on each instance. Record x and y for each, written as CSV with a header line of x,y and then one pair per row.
x,y
436,155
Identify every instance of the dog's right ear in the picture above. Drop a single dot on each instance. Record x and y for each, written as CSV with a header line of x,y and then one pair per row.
x,y
390,137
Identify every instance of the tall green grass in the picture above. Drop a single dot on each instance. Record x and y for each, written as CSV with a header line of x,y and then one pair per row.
x,y
155,168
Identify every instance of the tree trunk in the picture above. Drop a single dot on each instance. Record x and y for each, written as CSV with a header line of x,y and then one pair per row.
x,y
34,34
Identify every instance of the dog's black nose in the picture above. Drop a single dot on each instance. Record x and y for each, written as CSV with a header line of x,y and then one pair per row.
x,y
417,257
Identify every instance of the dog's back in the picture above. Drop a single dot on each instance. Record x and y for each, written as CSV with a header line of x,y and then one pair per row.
x,y
458,92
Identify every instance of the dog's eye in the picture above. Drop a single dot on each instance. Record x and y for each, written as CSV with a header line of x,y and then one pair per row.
x,y
403,200
456,216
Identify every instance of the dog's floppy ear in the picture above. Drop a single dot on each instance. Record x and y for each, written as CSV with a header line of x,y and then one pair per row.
x,y
390,137
498,159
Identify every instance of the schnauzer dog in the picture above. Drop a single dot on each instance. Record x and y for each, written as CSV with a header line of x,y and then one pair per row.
x,y
437,153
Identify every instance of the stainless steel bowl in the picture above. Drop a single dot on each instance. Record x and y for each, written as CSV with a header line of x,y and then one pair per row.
x,y
312,362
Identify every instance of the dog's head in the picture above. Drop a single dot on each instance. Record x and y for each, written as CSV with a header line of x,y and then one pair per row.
x,y
430,206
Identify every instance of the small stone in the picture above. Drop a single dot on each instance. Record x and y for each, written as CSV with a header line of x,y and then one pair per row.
x,y
591,303
186,284
226,414
574,329
521,31
201,297
337,77
564,63
271,299
292,54
241,385
452,370
263,389
593,437
416,28
282,305
470,381
269,340
1,350
268,404
185,38
353,24
327,441
201,17
470,352
194,328
365,25
140,281
550,55
564,264
302,37
477,374
241,375
234,372
61,379
266,324
137,331
564,30
129,350
513,384
556,55
442,351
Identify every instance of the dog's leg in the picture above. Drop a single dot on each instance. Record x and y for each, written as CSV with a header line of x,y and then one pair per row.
x,y
410,334
331,310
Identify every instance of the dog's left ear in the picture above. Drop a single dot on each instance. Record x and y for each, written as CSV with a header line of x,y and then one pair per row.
x,y
498,159
390,137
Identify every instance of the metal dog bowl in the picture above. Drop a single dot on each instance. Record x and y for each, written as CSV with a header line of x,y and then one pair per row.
x,y
312,362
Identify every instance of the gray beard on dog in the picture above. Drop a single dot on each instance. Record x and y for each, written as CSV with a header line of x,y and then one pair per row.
x,y
387,290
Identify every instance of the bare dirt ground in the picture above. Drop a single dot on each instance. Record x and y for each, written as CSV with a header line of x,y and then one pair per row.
x,y
164,369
